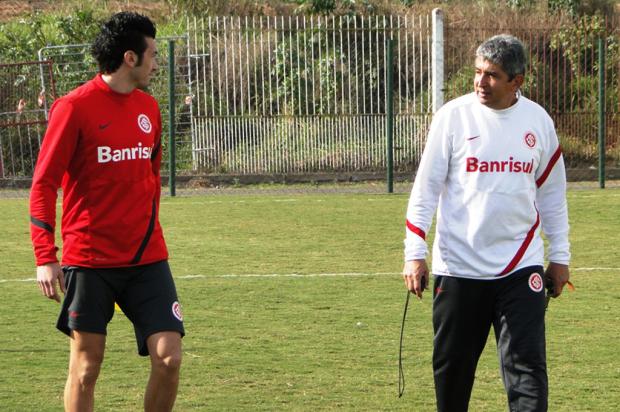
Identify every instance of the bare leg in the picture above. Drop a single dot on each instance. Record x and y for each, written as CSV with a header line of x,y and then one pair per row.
x,y
84,366
165,352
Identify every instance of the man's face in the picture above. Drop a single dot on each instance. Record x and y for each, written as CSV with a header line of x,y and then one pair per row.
x,y
141,73
492,86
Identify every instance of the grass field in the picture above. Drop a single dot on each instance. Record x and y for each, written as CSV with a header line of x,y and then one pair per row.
x,y
294,302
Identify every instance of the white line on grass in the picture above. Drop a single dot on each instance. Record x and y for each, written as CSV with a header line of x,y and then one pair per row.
x,y
601,194
218,202
17,280
307,275
286,275
260,200
345,274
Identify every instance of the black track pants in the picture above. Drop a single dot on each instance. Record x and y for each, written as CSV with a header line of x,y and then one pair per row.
x,y
463,312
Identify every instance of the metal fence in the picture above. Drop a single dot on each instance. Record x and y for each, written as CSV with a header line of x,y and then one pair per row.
x,y
306,94
300,95
73,65
22,115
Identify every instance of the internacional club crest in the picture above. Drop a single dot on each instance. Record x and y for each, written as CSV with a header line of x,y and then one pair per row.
x,y
530,139
144,123
176,311
536,282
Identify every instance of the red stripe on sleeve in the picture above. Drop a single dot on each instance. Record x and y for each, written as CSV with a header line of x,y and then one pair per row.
x,y
416,230
526,243
552,162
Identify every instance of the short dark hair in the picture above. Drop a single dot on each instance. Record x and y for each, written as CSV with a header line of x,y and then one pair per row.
x,y
506,51
124,31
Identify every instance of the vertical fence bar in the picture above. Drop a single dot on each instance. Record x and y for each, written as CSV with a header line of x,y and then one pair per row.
x,y
601,112
193,129
308,74
221,94
406,52
363,65
342,66
437,58
171,120
204,68
333,66
389,118
45,111
398,63
421,66
233,65
377,65
349,66
414,68
429,59
299,71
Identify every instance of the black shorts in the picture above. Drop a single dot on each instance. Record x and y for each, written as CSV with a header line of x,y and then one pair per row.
x,y
146,294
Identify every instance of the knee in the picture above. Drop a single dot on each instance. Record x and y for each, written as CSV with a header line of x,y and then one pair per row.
x,y
86,371
168,363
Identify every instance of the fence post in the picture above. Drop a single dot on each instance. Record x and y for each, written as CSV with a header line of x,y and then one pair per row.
x,y
171,121
601,113
437,60
389,115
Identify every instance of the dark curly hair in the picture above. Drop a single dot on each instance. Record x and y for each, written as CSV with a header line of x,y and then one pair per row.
x,y
124,31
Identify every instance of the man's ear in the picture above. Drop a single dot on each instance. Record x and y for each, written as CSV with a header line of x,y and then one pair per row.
x,y
130,58
518,81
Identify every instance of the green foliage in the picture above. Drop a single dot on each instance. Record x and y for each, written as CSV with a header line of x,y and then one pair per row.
x,y
21,40
579,45
288,89
578,42
191,7
520,4
460,83
318,6
78,27
579,151
577,8
328,82
569,6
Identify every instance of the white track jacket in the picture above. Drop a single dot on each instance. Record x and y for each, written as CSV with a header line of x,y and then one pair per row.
x,y
498,176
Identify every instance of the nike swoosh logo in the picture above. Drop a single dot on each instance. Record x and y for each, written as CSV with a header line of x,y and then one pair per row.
x,y
473,137
103,126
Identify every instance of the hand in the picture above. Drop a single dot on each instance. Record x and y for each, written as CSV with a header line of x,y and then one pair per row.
x,y
415,274
559,275
47,276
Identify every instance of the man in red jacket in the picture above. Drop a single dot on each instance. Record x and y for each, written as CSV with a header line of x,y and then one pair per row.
x,y
103,146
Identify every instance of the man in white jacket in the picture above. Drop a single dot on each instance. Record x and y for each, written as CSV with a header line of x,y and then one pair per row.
x,y
493,170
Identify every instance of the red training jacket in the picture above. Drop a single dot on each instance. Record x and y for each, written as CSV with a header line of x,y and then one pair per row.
x,y
103,148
